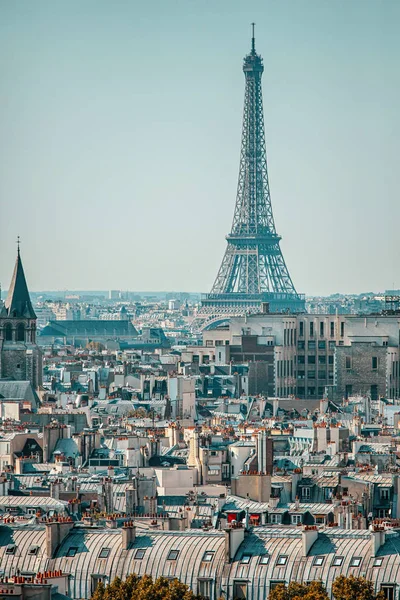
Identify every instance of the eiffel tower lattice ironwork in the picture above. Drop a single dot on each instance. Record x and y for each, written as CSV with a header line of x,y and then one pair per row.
x,y
253,270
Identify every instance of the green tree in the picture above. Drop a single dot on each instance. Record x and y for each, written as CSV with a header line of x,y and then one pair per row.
x,y
354,588
144,588
299,591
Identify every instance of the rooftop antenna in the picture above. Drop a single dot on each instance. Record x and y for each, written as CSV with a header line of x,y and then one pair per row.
x,y
18,243
253,40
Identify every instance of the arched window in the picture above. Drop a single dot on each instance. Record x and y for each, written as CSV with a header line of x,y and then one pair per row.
x,y
20,332
7,332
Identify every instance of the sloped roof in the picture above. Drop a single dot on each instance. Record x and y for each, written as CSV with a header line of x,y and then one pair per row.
x,y
18,302
89,328
18,390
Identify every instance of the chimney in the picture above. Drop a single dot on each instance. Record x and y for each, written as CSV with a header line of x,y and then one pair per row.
x,y
377,540
234,536
130,498
128,534
56,532
309,535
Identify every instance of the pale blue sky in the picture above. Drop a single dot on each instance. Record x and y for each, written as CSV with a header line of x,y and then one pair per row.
x,y
120,127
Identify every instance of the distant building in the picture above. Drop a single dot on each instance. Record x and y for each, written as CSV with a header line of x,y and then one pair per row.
x,y
80,333
20,357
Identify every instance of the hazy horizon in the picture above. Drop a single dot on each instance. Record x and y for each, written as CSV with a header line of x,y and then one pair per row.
x,y
121,124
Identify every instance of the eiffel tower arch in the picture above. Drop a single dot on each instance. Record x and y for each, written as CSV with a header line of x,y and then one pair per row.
x,y
253,271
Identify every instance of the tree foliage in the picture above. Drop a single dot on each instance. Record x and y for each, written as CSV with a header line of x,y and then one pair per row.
x,y
354,588
343,588
299,591
144,588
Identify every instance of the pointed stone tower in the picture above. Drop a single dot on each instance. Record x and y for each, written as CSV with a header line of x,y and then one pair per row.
x,y
20,357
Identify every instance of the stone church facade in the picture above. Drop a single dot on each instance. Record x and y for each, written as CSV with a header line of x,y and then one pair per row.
x,y
20,357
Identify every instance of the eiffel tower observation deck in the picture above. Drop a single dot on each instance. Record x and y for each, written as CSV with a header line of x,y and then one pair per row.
x,y
253,273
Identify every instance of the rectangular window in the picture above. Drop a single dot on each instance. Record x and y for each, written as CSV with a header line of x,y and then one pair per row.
x,y
139,554
311,391
72,551
356,561
264,559
239,590
301,330
321,329
275,519
301,359
385,494
318,561
311,374
204,588
311,328
282,560
374,392
208,556
332,329
330,360
348,362
296,519
342,329
209,344
306,492
322,345
388,590
322,359
311,359
374,362
301,344
348,391
173,555
321,374
337,561
245,559
311,345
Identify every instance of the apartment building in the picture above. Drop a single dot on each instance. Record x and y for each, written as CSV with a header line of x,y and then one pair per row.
x,y
309,354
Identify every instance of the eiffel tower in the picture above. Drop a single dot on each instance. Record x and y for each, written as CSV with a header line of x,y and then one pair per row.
x,y
253,272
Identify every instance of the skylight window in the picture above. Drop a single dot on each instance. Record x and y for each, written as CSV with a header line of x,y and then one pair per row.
x,y
104,553
282,560
11,549
173,555
356,561
208,556
318,561
337,561
264,559
245,559
139,554
378,561
33,550
72,551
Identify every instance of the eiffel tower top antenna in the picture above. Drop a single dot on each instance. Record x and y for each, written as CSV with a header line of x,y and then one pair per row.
x,y
253,39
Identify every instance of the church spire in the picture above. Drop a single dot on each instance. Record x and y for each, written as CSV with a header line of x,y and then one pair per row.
x,y
18,303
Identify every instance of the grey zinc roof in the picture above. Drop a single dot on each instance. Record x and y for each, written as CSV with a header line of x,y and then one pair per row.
x,y
33,501
188,567
18,390
191,545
